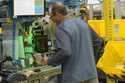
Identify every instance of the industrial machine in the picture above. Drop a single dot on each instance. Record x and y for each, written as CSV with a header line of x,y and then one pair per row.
x,y
21,37
112,31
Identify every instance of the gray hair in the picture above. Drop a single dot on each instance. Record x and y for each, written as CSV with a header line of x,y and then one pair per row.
x,y
59,8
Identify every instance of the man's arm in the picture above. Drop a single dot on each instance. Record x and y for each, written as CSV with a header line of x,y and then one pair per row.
x,y
64,46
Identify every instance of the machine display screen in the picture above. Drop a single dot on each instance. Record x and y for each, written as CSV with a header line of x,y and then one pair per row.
x,y
28,7
49,43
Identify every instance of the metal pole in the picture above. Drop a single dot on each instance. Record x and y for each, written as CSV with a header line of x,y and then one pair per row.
x,y
14,39
91,11
1,42
117,9
108,17
102,13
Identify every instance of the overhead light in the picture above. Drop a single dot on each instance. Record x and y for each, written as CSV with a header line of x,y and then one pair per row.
x,y
93,2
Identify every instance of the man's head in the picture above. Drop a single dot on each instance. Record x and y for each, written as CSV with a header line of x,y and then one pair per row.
x,y
58,12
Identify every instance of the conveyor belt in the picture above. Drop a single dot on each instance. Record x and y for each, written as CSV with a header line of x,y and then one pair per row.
x,y
41,74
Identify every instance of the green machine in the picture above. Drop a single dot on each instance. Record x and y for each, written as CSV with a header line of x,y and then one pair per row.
x,y
33,39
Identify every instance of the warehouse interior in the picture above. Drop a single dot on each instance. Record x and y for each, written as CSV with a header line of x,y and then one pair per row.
x,y
27,34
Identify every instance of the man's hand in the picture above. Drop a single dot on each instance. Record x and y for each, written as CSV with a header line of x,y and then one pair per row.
x,y
44,60
41,58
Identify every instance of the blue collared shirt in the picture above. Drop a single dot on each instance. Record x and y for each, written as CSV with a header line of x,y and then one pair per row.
x,y
74,41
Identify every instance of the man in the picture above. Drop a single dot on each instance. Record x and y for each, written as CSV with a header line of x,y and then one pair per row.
x,y
75,48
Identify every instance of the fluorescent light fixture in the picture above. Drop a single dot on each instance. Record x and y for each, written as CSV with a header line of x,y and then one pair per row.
x,y
93,2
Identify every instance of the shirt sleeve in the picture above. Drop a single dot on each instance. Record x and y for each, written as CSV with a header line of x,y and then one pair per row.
x,y
64,45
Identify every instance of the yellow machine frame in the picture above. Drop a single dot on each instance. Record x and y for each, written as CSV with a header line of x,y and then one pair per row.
x,y
112,62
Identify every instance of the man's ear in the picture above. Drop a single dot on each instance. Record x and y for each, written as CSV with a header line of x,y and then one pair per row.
x,y
58,14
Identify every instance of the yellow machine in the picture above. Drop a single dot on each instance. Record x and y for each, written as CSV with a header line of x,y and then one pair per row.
x,y
112,62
